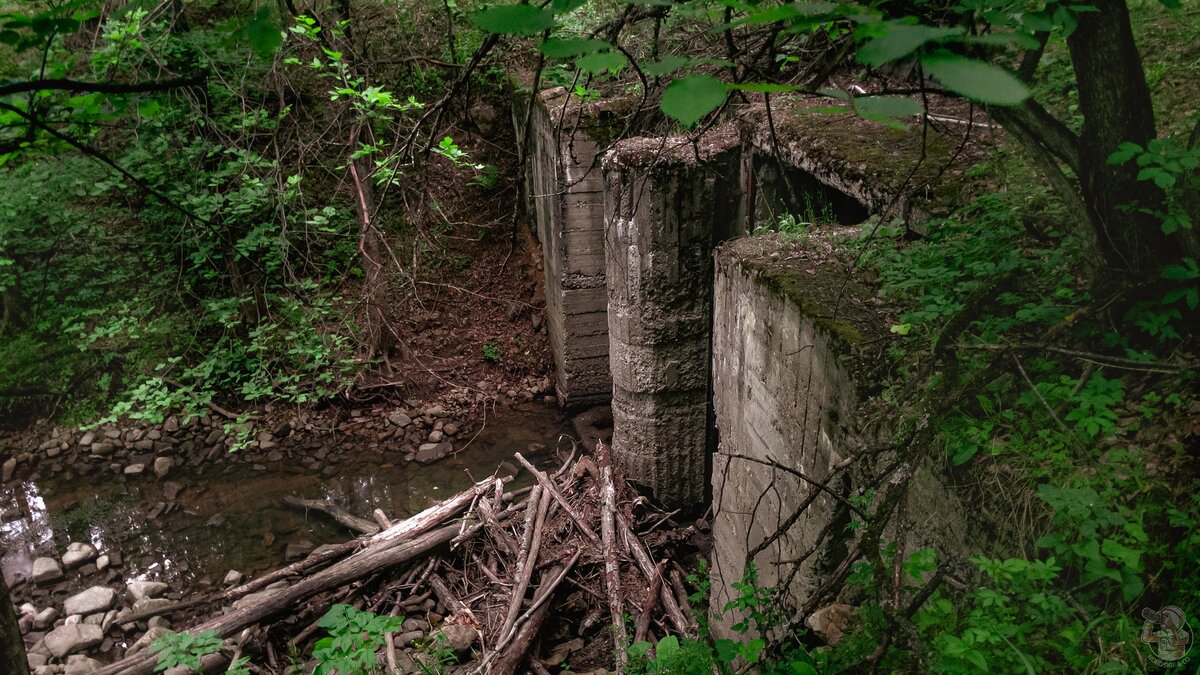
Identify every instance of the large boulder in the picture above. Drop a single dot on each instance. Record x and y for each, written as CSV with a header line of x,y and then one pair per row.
x,y
94,599
72,638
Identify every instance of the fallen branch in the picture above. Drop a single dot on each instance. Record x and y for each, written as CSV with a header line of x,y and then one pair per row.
x,y
612,569
338,514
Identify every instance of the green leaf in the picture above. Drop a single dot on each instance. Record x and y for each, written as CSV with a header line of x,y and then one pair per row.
x,y
602,62
265,37
561,48
513,19
565,6
977,80
665,66
667,649
148,107
689,98
885,109
899,40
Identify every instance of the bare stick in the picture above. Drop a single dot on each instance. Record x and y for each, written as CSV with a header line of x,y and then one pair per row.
x,y
650,570
536,515
652,593
612,570
548,486
338,514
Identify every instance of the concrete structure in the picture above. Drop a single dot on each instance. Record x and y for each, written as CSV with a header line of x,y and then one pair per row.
x,y
564,185
666,204
782,393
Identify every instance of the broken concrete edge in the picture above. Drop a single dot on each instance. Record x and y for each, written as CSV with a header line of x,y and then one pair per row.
x,y
652,152
884,168
810,271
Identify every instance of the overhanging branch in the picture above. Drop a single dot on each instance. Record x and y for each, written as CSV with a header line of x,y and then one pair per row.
x,y
99,87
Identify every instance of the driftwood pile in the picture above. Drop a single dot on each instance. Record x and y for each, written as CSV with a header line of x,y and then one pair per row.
x,y
578,544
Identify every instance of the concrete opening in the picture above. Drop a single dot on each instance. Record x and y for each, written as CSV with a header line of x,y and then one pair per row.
x,y
778,190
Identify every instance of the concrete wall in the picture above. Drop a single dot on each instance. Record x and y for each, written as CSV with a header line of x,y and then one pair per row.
x,y
564,187
780,394
666,204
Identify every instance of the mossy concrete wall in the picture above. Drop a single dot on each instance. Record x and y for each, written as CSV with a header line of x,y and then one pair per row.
x,y
798,344
564,187
667,203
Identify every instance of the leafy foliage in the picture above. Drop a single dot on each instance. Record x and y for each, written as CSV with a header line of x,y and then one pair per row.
x,y
184,649
354,638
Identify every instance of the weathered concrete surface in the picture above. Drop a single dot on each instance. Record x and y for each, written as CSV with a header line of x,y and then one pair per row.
x,y
796,340
780,394
667,202
565,185
886,170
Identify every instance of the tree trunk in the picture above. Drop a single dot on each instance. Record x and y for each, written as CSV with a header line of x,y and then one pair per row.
x,y
1116,105
12,646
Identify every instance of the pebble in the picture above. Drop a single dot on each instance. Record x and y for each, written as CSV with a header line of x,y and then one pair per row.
x,y
135,469
233,578
162,466
142,590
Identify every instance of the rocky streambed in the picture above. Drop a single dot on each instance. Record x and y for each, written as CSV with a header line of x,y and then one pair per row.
x,y
100,525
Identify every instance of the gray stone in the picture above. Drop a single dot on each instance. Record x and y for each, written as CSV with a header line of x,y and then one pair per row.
x,y
147,638
436,436
143,590
298,549
94,599
163,466
46,570
233,578
151,605
77,554
87,439
459,637
103,563
135,469
450,429
71,638
399,419
432,452
35,659
80,665
10,467
45,618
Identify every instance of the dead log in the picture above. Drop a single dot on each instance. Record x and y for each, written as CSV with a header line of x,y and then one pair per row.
x,y
509,660
361,564
338,514
548,486
650,570
612,569
652,593
539,503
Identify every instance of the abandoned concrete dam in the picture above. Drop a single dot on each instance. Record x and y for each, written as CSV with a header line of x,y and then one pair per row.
x,y
739,362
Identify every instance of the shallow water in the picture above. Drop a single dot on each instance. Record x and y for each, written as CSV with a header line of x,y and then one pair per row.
x,y
230,516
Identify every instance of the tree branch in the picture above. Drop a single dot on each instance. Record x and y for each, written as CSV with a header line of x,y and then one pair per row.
x,y
99,87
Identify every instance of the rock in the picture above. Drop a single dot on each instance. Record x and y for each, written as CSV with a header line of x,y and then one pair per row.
x,y
435,436
53,452
143,590
87,439
73,637
450,429
233,578
158,622
459,637
144,445
436,411
152,606
81,665
399,419
432,452
36,660
162,466
103,563
10,467
409,637
146,640
135,469
171,490
94,599
77,554
171,425
45,618
46,570
831,622
298,549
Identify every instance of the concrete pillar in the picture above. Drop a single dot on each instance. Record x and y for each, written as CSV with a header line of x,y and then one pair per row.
x,y
564,185
666,204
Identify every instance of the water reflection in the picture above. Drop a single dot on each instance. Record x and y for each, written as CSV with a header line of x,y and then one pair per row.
x,y
229,516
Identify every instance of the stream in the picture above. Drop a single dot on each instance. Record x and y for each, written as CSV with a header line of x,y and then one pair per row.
x,y
229,515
